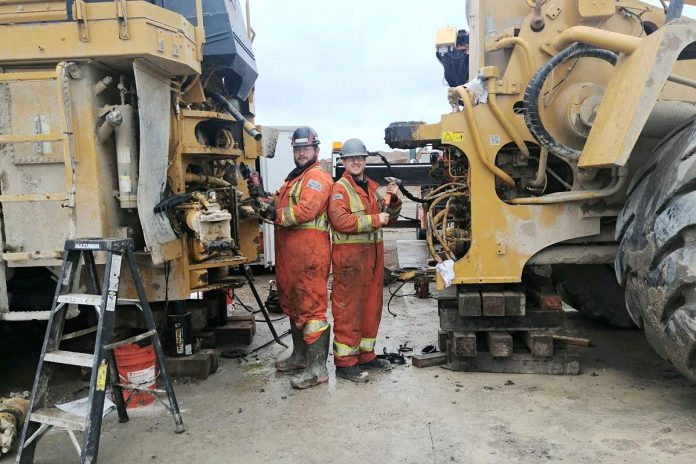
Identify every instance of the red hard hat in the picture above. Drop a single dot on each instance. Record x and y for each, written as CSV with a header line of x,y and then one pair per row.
x,y
304,136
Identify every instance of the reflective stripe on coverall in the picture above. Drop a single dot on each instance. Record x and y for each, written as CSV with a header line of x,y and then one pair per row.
x,y
303,250
358,268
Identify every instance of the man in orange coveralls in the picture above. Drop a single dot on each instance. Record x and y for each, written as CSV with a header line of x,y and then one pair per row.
x,y
303,260
357,217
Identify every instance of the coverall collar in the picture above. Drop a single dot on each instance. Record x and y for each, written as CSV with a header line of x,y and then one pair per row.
x,y
295,173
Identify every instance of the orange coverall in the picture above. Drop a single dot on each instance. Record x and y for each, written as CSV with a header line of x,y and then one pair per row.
x,y
358,267
303,250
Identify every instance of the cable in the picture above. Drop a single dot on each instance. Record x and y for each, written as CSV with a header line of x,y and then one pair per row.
x,y
248,308
406,193
531,96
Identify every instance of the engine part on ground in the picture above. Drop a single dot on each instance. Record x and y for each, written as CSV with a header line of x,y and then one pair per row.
x,y
13,411
657,249
592,289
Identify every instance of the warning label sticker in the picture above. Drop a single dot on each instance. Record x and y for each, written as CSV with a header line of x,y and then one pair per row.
x,y
450,136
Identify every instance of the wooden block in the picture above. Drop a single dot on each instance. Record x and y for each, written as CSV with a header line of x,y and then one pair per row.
x,y
199,365
492,304
515,303
464,344
235,332
534,319
470,304
499,344
429,360
547,301
540,344
563,362
442,339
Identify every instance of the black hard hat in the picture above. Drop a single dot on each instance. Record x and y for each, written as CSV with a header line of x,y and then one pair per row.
x,y
304,136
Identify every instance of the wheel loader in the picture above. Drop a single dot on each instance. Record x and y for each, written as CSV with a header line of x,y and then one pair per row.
x,y
567,174
126,119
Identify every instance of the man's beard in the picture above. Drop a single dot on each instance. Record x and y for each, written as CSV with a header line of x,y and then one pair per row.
x,y
309,162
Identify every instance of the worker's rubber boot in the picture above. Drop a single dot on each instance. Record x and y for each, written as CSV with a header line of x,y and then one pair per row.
x,y
377,365
316,372
298,358
353,373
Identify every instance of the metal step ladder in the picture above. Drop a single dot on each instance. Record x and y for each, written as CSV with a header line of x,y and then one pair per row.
x,y
42,417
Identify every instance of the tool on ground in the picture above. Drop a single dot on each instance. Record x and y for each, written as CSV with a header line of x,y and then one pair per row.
x,y
12,414
42,417
250,279
388,197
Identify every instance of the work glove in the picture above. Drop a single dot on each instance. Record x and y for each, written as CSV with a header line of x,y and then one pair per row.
x,y
265,206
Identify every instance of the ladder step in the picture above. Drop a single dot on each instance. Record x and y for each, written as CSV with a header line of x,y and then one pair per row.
x,y
92,300
80,298
57,418
71,358
134,339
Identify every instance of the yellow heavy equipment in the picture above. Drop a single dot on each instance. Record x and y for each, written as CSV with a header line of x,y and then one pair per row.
x,y
566,171
126,119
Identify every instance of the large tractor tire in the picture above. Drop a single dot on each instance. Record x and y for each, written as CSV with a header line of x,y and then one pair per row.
x,y
592,290
656,262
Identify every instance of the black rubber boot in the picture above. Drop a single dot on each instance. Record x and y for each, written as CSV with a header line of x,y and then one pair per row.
x,y
315,373
353,373
377,364
298,358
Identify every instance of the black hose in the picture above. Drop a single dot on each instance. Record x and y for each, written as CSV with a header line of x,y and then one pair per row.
x,y
406,193
531,96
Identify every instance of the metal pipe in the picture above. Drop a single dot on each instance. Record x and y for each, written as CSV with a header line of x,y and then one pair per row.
x,y
540,180
200,30
524,46
537,23
682,80
126,157
201,178
103,84
598,38
63,70
674,10
248,127
474,130
504,121
565,197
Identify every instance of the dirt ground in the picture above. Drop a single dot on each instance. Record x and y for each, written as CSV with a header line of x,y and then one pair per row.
x,y
627,405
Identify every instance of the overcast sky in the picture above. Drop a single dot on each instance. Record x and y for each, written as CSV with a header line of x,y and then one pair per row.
x,y
349,68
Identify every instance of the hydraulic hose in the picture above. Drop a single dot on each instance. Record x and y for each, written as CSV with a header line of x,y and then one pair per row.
x,y
249,127
531,96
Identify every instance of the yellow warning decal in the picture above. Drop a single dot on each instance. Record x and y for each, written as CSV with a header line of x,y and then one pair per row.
x,y
101,376
449,136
